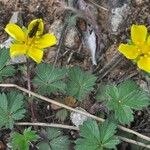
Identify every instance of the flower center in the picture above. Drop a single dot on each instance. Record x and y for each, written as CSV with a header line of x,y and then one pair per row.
x,y
144,51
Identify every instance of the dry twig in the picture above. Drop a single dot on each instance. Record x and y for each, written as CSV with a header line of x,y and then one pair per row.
x,y
72,109
47,125
77,129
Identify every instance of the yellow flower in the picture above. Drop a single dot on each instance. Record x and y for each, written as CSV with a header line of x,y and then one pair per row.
x,y
139,50
30,42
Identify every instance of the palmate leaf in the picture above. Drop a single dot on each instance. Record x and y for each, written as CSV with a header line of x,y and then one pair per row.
x,y
56,140
97,137
11,109
122,99
22,141
4,56
79,83
5,71
49,79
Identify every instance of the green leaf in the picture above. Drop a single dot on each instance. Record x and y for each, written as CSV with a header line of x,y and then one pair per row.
x,y
11,109
4,56
79,83
124,114
53,133
56,140
3,102
97,137
49,79
122,99
62,115
5,71
22,141
44,146
30,135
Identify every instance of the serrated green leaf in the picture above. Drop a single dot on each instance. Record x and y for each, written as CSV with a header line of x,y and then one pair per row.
x,y
105,129
56,140
18,115
126,88
17,142
112,143
61,143
97,137
49,79
3,102
7,71
90,130
44,146
15,101
79,83
137,100
22,141
123,98
53,133
4,55
84,144
11,109
124,114
30,135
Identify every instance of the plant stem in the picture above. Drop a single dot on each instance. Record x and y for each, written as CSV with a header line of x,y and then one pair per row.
x,y
31,103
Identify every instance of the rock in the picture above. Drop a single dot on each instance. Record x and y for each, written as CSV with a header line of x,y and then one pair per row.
x,y
118,15
70,37
77,118
56,28
139,2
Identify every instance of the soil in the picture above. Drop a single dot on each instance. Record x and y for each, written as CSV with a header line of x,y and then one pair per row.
x,y
76,52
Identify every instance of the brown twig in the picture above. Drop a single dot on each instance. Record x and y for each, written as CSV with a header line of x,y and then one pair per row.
x,y
61,40
108,67
72,109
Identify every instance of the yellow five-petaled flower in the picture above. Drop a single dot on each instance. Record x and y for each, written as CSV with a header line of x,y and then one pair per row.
x,y
30,41
139,49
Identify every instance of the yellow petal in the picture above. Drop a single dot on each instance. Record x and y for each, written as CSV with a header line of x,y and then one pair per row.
x,y
148,40
35,54
36,27
46,41
15,31
129,51
17,50
145,48
138,34
144,63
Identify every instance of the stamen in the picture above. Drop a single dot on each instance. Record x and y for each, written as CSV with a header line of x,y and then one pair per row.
x,y
139,50
145,55
141,57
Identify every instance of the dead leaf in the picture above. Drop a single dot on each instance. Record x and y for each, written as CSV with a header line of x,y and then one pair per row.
x,y
70,101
